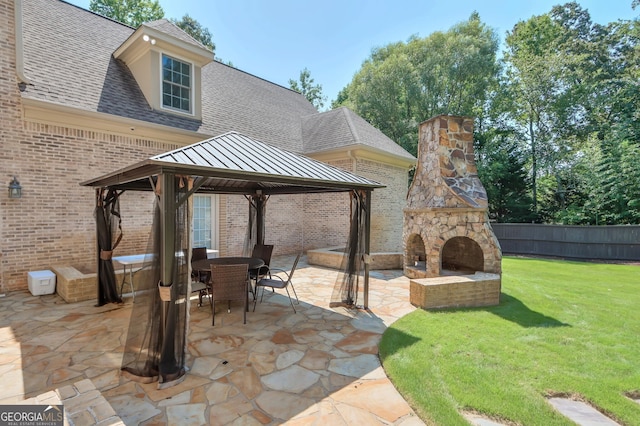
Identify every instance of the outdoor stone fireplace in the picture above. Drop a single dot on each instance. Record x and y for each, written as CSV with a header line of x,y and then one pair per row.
x,y
446,230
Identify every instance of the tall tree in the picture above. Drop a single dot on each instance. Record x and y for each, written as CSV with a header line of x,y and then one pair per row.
x,y
403,84
304,85
537,83
504,176
385,92
195,30
575,99
130,12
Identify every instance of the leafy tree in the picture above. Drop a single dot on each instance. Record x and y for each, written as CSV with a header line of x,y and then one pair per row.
x,y
575,101
619,172
130,12
504,176
304,85
403,84
385,93
534,84
195,30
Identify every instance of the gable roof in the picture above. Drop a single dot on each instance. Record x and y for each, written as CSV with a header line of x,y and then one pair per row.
x,y
168,27
68,57
235,163
341,128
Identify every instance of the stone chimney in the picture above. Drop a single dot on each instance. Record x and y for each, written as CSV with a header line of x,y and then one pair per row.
x,y
446,226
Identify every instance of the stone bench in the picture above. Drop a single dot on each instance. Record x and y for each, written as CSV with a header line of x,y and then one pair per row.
x,y
455,291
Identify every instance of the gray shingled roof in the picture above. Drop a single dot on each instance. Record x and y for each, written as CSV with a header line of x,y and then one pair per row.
x,y
68,56
235,163
342,127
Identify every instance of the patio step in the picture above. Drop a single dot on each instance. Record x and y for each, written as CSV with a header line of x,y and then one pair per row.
x,y
581,413
578,412
83,404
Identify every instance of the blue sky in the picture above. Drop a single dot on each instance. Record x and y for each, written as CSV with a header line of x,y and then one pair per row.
x,y
276,39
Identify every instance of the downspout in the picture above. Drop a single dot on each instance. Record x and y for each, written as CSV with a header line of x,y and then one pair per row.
x,y
354,161
17,22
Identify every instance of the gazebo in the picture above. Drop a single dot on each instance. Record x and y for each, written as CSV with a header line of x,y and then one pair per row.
x,y
231,163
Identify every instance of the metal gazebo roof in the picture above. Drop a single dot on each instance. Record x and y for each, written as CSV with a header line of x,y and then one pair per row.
x,y
235,163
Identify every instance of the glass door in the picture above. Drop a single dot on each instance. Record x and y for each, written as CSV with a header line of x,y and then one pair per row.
x,y
205,221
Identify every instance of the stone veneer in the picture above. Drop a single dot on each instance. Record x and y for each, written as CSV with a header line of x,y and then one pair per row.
x,y
445,218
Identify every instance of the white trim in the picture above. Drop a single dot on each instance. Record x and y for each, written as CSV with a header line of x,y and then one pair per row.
x,y
362,152
47,112
199,54
215,222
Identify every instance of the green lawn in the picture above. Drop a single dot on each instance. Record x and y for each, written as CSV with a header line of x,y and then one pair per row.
x,y
562,328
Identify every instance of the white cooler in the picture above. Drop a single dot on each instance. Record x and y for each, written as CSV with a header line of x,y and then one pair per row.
x,y
41,282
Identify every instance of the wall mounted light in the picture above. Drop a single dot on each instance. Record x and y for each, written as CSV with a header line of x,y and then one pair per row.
x,y
148,39
15,190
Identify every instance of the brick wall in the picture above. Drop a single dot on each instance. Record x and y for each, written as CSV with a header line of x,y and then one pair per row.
x,y
387,204
53,224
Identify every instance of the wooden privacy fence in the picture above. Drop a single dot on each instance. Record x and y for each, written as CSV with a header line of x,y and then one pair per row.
x,y
617,242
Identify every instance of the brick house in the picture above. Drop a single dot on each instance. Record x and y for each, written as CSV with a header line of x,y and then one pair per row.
x,y
82,95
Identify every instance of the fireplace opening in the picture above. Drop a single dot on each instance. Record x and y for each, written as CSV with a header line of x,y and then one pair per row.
x,y
416,254
461,256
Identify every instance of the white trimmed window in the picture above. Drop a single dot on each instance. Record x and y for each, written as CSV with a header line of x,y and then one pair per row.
x,y
176,84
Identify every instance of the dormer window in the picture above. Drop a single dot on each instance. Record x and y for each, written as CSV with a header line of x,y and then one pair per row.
x,y
167,65
176,84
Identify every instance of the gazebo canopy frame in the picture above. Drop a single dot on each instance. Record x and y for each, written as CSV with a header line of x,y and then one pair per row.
x,y
228,164
233,163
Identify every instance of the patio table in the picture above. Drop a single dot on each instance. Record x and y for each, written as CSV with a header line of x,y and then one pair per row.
x,y
204,265
129,263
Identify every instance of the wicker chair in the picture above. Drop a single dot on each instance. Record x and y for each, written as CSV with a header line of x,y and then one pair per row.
x,y
229,282
279,282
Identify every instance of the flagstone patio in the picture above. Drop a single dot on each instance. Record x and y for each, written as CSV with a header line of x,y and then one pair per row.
x,y
319,365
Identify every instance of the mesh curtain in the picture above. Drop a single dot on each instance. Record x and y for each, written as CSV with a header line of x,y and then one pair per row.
x,y
109,234
345,291
156,340
258,202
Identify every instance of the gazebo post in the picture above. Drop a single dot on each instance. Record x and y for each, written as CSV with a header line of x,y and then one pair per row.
x,y
167,217
98,263
367,244
260,201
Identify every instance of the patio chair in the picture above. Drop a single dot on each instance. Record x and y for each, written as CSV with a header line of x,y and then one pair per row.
x,y
229,282
260,251
279,282
202,289
199,253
